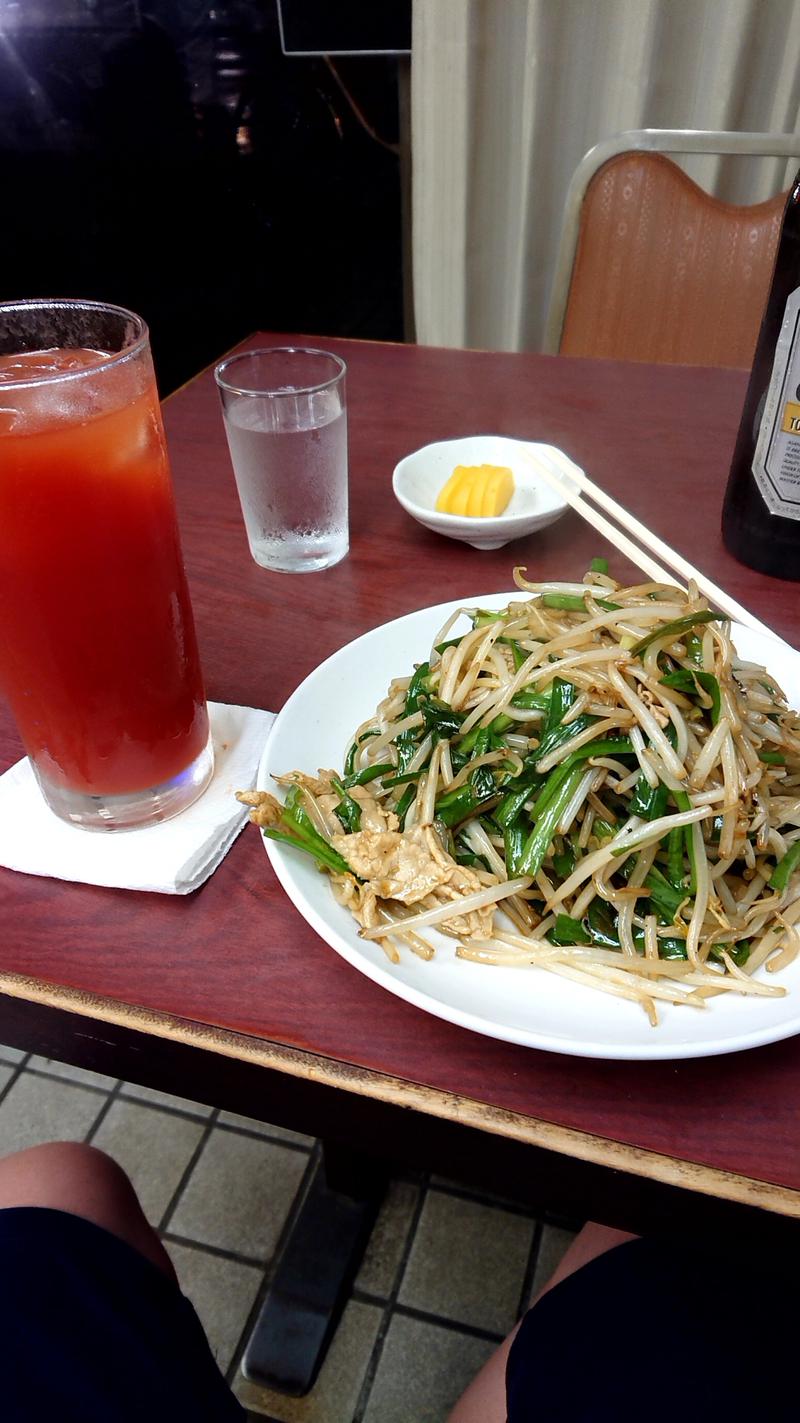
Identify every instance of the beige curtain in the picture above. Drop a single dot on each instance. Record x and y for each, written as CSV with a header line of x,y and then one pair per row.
x,y
507,96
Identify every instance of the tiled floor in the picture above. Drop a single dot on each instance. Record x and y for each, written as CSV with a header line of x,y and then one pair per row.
x,y
445,1275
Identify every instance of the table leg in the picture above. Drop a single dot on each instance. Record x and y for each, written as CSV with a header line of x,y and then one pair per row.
x,y
315,1270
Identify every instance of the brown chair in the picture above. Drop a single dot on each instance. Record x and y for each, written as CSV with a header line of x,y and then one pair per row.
x,y
653,268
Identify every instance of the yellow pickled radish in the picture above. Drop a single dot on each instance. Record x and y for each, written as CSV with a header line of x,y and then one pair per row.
x,y
455,496
447,494
499,489
479,491
459,501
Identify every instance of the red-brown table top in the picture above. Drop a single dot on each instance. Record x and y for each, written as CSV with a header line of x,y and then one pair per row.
x,y
235,954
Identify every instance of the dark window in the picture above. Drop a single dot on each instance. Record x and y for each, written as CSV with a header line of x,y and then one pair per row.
x,y
167,155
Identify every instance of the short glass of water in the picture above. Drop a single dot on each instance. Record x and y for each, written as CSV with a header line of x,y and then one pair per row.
x,y
286,421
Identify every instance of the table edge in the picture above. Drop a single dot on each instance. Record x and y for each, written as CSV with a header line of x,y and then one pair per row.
x,y
464,1111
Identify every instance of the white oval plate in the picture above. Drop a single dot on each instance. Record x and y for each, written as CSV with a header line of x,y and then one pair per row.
x,y
519,1005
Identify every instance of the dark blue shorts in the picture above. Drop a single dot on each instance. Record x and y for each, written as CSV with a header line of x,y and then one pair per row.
x,y
658,1334
92,1332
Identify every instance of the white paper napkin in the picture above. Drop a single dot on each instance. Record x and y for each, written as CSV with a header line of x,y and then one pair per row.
x,y
171,858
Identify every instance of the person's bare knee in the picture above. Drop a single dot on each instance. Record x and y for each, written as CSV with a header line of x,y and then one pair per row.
x,y
70,1176
65,1175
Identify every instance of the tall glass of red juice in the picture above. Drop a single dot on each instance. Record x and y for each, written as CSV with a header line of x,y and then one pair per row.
x,y
98,655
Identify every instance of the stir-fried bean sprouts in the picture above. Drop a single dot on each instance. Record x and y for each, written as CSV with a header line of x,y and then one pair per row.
x,y
590,782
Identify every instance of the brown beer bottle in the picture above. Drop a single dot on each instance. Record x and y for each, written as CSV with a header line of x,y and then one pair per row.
x,y
761,513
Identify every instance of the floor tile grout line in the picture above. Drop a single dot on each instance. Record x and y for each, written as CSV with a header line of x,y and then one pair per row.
x,y
172,1237
70,1081
471,1193
129,1094
122,1088
269,1267
111,1097
266,1136
185,1112
426,1316
530,1269
17,1069
373,1363
370,1297
172,1204
497,1203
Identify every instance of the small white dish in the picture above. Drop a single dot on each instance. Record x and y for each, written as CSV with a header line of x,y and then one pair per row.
x,y
419,478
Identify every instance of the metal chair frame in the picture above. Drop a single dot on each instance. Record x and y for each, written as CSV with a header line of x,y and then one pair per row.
x,y
652,140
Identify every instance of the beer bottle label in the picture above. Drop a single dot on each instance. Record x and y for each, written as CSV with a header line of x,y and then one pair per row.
x,y
776,462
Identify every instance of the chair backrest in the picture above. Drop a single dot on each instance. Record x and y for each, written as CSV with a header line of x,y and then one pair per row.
x,y
655,269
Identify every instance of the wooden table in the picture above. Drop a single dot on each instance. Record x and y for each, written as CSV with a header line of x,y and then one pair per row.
x,y
227,996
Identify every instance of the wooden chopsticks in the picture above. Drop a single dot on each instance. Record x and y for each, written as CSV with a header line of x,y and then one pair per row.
x,y
568,480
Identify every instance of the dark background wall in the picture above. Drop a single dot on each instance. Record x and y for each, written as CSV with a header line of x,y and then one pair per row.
x,y
167,155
